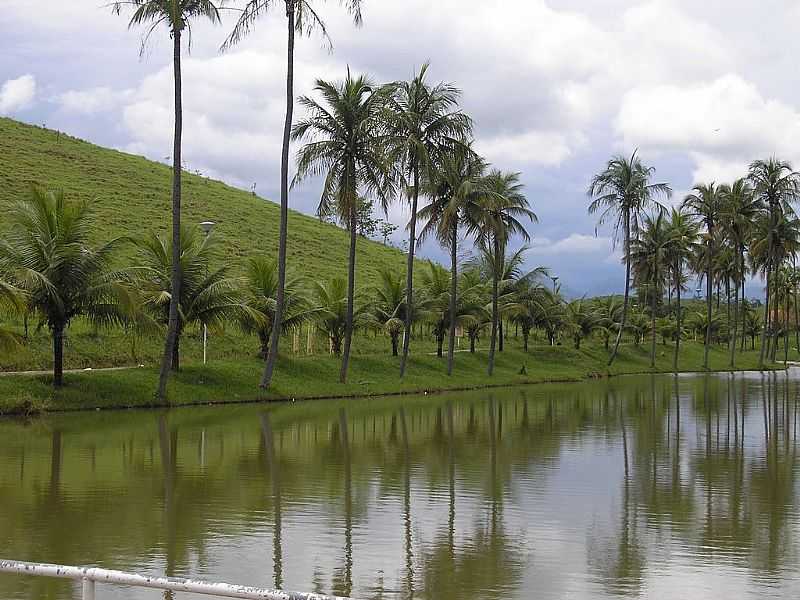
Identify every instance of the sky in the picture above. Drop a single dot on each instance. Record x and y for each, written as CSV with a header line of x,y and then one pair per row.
x,y
555,89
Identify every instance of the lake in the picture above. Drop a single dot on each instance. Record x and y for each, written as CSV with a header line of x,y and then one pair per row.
x,y
653,486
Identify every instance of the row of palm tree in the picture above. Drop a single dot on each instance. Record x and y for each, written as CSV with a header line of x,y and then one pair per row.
x,y
720,234
380,141
50,271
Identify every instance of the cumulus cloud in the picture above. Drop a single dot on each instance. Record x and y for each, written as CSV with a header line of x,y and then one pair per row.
x,y
17,94
575,243
722,124
94,100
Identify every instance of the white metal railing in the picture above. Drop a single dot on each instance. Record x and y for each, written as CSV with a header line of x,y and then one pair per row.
x,y
88,576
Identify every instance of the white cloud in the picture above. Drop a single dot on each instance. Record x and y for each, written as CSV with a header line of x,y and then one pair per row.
x,y
17,94
721,124
93,100
575,243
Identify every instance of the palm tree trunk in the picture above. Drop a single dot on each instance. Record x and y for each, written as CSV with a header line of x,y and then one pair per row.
x,y
176,353
653,324
394,345
709,286
627,249
272,356
472,344
493,341
767,299
351,289
744,315
786,329
412,242
175,289
500,334
734,340
58,355
796,320
678,316
453,298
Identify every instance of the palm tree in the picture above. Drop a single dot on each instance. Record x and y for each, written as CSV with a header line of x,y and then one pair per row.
x,y
648,257
389,306
47,254
177,16
582,319
345,145
11,299
423,122
301,18
776,185
682,234
741,207
208,295
620,193
455,187
705,203
261,293
333,309
610,311
473,294
502,211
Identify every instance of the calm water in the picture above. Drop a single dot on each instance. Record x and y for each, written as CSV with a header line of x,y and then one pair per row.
x,y
515,494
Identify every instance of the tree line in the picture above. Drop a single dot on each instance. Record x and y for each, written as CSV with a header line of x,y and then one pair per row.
x,y
720,234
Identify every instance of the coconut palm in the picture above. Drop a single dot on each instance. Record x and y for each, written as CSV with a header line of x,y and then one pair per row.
x,y
740,209
610,311
423,122
776,185
335,311
47,254
456,187
208,295
648,254
261,284
705,203
11,300
389,305
683,233
531,307
619,194
503,210
473,293
582,320
177,16
301,18
345,146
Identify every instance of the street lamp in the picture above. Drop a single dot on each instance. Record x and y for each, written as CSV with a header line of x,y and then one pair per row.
x,y
206,226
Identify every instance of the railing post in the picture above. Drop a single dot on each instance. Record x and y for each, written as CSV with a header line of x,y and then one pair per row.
x,y
88,589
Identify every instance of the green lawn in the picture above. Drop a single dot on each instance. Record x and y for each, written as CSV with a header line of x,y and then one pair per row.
x,y
317,377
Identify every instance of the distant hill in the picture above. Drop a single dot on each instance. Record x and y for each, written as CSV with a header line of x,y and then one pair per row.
x,y
132,196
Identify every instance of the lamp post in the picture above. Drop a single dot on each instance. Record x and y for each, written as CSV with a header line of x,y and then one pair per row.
x,y
206,226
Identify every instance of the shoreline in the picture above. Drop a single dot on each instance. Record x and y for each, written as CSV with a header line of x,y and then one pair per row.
x,y
25,407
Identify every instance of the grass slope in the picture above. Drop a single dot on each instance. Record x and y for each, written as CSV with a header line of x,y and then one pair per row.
x,y
133,195
316,377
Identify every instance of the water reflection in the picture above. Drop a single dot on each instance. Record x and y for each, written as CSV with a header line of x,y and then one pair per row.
x,y
652,486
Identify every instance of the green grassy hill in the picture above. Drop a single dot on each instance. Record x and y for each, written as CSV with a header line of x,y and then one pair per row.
x,y
132,195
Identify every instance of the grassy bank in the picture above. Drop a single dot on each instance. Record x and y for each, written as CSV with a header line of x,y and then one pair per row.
x,y
317,377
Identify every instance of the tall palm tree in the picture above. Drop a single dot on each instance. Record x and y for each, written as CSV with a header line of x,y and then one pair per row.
x,y
740,209
177,16
648,257
344,144
705,203
502,212
776,185
423,121
620,193
47,254
455,187
301,18
207,294
261,292
682,232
